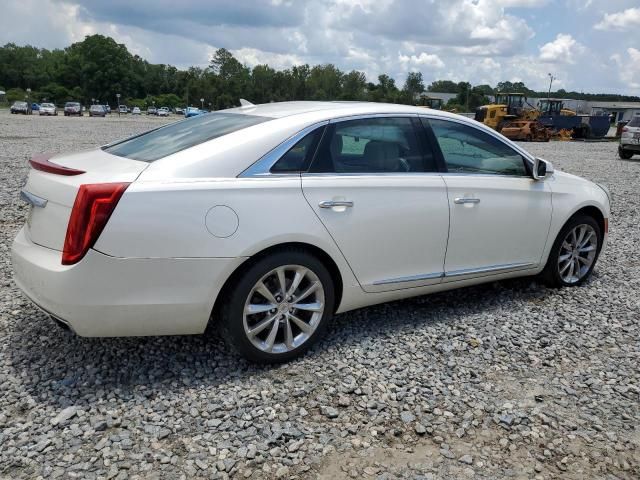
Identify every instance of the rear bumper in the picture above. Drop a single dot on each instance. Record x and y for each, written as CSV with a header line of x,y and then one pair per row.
x,y
104,296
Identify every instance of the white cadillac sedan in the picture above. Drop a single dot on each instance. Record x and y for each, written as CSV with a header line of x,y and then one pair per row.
x,y
266,220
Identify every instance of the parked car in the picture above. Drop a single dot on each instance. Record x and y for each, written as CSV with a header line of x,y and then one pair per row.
x,y
97,111
136,111
72,108
21,107
324,208
630,139
48,109
35,107
178,111
107,108
163,112
152,111
191,112
122,109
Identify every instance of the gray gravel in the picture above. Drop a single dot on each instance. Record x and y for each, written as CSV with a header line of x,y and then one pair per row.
x,y
510,379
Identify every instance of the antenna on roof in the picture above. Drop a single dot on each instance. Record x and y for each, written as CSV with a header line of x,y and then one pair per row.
x,y
246,103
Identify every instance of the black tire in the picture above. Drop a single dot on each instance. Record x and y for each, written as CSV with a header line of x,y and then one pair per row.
x,y
231,311
551,274
624,154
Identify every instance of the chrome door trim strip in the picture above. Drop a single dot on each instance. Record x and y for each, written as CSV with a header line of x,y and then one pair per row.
x,y
262,168
32,199
412,278
488,269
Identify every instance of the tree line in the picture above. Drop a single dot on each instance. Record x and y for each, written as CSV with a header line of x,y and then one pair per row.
x,y
98,68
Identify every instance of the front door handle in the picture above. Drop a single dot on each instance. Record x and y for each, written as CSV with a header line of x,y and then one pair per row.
x,y
462,200
335,203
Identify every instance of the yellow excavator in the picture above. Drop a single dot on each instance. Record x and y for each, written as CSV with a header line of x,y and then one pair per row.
x,y
514,117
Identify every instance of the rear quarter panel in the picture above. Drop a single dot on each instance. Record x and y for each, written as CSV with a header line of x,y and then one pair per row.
x,y
168,220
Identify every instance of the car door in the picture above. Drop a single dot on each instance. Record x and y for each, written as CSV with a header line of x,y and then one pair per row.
x,y
500,215
374,187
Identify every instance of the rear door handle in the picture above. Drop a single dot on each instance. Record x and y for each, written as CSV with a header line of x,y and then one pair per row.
x,y
335,203
462,200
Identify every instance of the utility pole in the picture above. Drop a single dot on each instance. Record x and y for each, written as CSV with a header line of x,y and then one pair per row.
x,y
118,97
551,79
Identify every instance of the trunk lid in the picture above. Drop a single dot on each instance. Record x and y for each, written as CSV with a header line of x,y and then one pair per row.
x,y
47,226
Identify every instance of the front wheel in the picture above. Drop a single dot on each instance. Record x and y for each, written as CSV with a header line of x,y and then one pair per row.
x,y
279,307
624,154
574,253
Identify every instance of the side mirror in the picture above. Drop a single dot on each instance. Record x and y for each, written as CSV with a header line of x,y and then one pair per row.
x,y
541,169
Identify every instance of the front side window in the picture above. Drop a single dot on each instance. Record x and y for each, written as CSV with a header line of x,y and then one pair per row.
x,y
172,138
469,150
372,145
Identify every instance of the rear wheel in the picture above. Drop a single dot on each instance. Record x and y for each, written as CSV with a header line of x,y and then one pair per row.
x,y
574,253
624,154
279,307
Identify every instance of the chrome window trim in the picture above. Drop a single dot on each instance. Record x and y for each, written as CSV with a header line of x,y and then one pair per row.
x,y
412,278
366,116
262,167
372,174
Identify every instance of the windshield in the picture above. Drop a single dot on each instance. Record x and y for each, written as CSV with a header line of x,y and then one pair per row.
x,y
20,104
47,105
178,136
72,104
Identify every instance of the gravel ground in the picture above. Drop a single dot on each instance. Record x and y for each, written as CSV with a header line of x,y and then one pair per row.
x,y
505,380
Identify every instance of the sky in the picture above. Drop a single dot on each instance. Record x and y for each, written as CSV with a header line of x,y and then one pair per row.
x,y
588,45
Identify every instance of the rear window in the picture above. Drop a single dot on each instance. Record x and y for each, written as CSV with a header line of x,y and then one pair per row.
x,y
635,122
167,140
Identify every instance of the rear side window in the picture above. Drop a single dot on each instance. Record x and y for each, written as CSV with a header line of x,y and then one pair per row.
x,y
298,158
371,145
469,150
167,140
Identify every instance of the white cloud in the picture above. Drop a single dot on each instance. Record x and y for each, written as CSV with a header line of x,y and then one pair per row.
x,y
629,67
563,49
481,41
626,20
424,60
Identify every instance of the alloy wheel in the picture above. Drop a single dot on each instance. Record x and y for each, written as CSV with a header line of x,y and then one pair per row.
x,y
283,309
577,253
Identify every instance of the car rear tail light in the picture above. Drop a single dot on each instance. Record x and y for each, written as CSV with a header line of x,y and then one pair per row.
x,y
92,208
625,129
42,163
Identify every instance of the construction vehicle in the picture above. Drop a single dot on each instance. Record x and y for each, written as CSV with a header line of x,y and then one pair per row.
x,y
430,102
554,106
514,117
563,121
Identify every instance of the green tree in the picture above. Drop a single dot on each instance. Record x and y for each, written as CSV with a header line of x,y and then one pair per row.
x,y
413,87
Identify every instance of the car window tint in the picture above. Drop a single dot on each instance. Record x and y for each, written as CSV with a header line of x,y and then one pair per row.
x,y
372,145
635,122
298,157
470,150
167,140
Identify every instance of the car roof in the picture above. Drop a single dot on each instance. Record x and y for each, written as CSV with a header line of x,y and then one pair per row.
x,y
329,110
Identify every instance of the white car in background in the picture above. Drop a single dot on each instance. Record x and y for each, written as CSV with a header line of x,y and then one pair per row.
x,y
163,112
630,139
136,111
47,109
266,220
